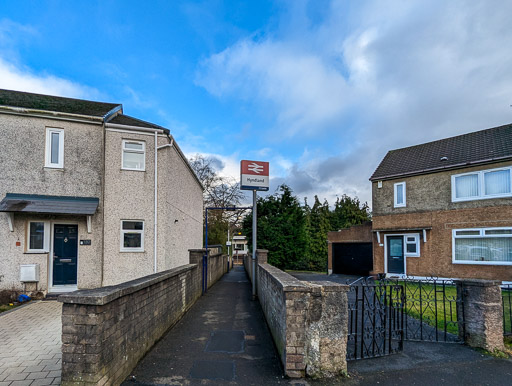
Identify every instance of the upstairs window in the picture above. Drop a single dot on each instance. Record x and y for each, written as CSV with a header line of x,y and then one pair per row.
x,y
132,236
494,183
54,149
399,194
134,155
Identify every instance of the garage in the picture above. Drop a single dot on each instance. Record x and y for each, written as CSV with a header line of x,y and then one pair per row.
x,y
352,258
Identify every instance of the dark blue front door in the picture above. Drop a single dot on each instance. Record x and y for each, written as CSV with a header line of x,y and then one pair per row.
x,y
396,254
65,254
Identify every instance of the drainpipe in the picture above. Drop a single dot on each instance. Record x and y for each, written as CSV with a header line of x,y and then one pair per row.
x,y
156,204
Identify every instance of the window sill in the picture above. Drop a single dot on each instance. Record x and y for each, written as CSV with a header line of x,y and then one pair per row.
x,y
482,262
58,168
134,170
35,252
132,251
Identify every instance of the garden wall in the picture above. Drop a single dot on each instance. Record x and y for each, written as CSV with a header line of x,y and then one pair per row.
x,y
308,321
106,331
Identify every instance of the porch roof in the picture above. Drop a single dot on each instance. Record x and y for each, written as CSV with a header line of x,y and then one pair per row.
x,y
34,203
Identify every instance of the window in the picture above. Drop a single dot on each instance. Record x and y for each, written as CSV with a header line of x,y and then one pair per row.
x,y
399,194
412,245
54,150
134,154
37,237
482,246
132,236
483,184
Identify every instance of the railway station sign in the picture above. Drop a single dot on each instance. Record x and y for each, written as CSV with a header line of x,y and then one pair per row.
x,y
254,175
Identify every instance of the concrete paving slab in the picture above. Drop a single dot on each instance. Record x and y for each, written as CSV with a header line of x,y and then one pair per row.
x,y
27,333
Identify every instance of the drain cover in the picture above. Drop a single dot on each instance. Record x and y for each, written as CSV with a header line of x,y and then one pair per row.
x,y
220,370
230,342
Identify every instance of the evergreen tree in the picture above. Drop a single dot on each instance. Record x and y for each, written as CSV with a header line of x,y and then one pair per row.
x,y
348,212
281,229
319,225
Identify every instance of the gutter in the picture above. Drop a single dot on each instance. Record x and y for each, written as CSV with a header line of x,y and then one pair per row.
x,y
53,115
440,169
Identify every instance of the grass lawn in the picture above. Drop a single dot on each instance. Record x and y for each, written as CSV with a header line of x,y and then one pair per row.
x,y
424,303
507,310
8,307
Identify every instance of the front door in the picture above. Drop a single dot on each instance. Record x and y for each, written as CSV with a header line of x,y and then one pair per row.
x,y
65,254
396,254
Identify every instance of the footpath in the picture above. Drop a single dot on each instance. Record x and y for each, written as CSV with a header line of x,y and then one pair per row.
x,y
222,339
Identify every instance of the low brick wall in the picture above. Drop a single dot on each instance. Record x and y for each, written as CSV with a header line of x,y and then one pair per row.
x,y
308,321
106,331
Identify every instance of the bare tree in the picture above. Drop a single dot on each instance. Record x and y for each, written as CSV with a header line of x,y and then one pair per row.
x,y
219,192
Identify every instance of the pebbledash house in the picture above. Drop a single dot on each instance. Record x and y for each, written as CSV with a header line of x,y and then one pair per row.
x,y
444,208
89,196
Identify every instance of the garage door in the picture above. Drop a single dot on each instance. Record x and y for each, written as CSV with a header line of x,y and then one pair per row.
x,y
352,258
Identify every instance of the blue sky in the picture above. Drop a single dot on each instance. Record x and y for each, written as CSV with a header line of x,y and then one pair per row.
x,y
322,89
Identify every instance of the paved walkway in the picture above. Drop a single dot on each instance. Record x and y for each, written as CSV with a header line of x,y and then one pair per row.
x,y
30,345
223,339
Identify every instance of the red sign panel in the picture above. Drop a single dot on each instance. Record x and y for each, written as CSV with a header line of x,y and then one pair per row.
x,y
257,168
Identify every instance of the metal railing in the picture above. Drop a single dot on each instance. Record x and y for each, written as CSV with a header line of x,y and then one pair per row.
x,y
506,293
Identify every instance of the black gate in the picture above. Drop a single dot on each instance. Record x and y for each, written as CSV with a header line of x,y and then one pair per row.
x,y
352,258
375,319
433,310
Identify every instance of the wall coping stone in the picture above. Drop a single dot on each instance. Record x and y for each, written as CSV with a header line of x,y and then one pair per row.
x,y
104,295
479,282
285,280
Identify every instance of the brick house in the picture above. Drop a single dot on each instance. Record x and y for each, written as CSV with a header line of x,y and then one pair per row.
x,y
90,196
444,208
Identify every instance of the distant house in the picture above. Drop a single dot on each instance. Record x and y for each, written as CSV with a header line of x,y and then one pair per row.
x,y
240,246
90,196
444,208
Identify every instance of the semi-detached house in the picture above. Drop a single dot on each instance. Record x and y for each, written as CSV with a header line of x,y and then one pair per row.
x,y
90,196
444,208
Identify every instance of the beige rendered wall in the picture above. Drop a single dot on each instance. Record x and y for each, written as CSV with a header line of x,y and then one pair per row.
x,y
436,254
180,210
429,192
22,161
129,195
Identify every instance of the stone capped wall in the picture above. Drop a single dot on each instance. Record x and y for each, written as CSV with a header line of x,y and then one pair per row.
x,y
308,321
106,331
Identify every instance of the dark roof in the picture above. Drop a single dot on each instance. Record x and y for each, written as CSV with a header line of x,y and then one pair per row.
x,y
51,103
34,203
479,147
122,119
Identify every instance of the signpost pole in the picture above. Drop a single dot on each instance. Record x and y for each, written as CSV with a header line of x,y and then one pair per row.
x,y
254,234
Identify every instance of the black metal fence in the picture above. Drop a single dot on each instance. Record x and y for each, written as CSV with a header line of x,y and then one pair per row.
x,y
433,310
506,293
375,320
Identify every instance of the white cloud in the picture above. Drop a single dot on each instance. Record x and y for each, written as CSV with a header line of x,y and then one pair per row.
x,y
371,78
22,79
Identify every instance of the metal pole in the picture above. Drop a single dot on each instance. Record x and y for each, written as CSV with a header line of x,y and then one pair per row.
x,y
254,216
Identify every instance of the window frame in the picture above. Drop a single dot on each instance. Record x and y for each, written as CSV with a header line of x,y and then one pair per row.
x,y
143,152
481,235
416,242
46,237
48,148
481,185
141,232
395,188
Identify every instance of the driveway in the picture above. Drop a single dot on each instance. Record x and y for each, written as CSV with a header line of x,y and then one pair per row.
x,y
30,345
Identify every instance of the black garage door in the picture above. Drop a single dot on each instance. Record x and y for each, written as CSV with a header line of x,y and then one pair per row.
x,y
352,258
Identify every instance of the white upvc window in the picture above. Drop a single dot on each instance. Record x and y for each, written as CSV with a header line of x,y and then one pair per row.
x,y
132,236
399,194
412,244
54,149
134,155
484,184
487,246
38,237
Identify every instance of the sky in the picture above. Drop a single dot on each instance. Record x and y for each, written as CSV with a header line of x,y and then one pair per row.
x,y
321,89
